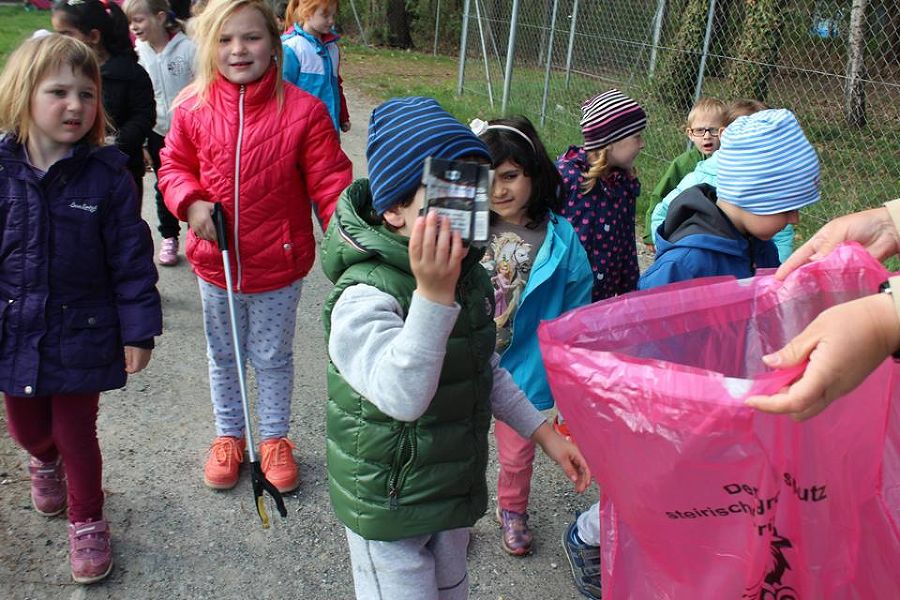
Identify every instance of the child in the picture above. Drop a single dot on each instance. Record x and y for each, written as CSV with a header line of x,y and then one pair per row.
x,y
602,189
168,56
539,270
78,272
706,171
414,378
312,60
767,172
127,91
241,138
280,13
704,125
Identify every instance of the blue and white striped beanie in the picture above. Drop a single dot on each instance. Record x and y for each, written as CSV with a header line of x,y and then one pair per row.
x,y
766,164
402,133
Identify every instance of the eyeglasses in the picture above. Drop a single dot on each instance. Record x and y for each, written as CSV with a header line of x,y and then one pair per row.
x,y
702,131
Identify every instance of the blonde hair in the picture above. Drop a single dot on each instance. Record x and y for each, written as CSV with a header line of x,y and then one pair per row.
x,y
209,26
599,168
707,105
153,8
298,11
29,65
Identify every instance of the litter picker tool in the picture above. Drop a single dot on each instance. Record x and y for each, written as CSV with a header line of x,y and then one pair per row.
x,y
260,483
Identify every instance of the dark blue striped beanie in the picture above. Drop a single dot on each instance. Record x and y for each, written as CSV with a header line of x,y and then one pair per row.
x,y
402,133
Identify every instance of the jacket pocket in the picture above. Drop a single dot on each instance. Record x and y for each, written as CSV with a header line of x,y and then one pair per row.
x,y
90,336
404,458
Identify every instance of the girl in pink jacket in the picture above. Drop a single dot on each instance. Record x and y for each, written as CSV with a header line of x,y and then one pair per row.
x,y
263,150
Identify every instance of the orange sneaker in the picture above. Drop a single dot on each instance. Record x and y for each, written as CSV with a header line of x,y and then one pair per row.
x,y
277,463
225,457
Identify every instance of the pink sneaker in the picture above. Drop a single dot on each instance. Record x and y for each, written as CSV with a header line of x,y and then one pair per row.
x,y
168,252
48,486
89,552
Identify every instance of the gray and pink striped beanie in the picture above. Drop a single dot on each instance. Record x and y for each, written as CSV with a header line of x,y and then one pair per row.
x,y
610,117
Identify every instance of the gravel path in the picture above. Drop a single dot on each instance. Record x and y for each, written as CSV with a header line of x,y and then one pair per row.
x,y
173,538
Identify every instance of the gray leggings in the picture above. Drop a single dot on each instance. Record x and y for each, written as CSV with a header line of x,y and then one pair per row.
x,y
425,567
266,323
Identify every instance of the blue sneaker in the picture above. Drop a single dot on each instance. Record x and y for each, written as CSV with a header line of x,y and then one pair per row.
x,y
584,560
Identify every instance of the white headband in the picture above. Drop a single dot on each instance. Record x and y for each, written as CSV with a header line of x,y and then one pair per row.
x,y
479,127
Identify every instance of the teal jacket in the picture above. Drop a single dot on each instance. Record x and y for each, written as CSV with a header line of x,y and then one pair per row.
x,y
560,280
390,479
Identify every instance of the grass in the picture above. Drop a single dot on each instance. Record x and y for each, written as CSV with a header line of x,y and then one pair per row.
x,y
859,169
16,24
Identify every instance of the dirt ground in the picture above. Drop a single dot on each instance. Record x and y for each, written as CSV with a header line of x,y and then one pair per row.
x,y
173,538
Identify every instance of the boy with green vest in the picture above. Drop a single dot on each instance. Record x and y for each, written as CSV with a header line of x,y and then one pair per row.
x,y
413,379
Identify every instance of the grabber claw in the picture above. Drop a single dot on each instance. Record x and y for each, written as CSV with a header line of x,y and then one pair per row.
x,y
260,485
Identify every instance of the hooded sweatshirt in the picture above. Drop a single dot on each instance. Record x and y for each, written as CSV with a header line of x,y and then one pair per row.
x,y
697,239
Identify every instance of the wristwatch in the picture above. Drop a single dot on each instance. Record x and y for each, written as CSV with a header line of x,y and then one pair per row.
x,y
885,288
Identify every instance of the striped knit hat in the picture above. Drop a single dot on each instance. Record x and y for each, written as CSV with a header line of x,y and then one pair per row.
x,y
402,133
766,164
610,117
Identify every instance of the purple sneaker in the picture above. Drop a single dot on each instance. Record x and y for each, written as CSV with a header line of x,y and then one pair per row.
x,y
48,486
168,252
517,536
89,552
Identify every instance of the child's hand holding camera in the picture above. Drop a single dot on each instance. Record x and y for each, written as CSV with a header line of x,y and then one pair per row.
x,y
435,255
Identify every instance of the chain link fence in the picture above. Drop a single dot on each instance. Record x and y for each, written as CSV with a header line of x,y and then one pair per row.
x,y
836,64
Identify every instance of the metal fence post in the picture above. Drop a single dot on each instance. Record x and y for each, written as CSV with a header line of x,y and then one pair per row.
x,y
487,66
548,63
362,31
702,68
510,55
463,42
657,33
437,26
571,42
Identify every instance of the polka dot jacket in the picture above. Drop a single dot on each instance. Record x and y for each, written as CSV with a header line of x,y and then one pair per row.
x,y
604,219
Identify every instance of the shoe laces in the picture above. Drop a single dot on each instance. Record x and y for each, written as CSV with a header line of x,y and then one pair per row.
x,y
276,453
225,448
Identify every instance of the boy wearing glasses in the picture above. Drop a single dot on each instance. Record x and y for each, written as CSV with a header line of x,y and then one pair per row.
x,y
767,171
704,124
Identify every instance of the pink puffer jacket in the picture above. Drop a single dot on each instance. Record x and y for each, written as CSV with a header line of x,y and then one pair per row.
x,y
263,165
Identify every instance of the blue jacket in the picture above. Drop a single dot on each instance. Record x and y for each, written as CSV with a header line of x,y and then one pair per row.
x,y
77,279
560,280
698,240
314,66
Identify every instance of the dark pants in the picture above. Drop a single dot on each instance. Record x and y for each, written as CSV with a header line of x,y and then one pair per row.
x,y
65,425
169,227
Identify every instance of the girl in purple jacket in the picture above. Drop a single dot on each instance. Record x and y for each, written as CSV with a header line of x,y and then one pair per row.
x,y
78,302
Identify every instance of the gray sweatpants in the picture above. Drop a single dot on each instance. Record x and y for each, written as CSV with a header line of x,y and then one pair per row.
x,y
266,323
425,567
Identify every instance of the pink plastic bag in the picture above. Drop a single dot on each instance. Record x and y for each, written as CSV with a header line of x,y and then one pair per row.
x,y
704,497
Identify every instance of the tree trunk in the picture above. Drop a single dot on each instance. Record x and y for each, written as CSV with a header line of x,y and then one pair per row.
x,y
758,48
854,94
399,35
676,75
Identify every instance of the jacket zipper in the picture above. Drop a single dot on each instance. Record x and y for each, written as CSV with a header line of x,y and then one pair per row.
x,y
237,186
403,461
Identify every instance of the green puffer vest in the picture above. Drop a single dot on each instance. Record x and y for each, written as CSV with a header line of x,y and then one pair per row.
x,y
388,479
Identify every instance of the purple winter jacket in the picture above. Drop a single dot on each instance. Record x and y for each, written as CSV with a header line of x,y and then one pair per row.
x,y
77,279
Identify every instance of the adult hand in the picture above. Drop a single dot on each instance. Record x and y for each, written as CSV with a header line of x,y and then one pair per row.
x,y
871,228
435,257
200,220
136,359
565,454
843,345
